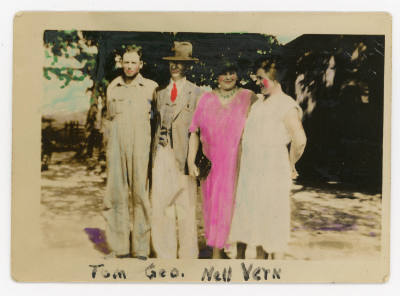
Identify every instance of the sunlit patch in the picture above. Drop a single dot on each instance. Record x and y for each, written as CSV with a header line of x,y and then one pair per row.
x,y
330,72
365,99
333,182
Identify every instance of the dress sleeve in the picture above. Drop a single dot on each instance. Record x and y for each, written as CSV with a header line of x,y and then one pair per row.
x,y
288,104
197,117
253,98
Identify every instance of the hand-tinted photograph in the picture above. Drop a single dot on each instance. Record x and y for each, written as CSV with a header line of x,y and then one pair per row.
x,y
179,145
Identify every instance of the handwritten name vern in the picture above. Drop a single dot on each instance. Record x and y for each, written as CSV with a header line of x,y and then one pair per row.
x,y
249,273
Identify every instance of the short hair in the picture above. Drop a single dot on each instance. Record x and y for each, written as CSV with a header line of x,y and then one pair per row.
x,y
132,48
273,67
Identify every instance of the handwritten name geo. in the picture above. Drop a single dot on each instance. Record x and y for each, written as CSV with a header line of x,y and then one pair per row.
x,y
152,272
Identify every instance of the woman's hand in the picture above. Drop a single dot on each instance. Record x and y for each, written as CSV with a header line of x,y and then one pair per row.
x,y
295,128
193,147
193,169
295,174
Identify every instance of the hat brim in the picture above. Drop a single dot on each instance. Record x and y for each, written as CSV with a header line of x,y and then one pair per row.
x,y
182,59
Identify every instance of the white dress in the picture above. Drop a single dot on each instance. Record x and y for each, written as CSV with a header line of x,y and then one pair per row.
x,y
262,210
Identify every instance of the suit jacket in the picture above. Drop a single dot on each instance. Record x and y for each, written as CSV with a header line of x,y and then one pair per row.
x,y
182,117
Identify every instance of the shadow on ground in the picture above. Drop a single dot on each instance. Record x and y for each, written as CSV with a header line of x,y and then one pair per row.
x,y
327,222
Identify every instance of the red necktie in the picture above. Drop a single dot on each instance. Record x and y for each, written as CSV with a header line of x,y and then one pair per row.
x,y
174,93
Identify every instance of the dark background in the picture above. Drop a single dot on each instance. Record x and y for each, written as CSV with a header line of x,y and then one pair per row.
x,y
344,130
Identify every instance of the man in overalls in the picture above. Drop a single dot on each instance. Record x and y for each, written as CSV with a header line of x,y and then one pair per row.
x,y
126,204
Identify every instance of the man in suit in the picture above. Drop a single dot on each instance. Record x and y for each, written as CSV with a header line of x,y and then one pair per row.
x,y
127,208
173,190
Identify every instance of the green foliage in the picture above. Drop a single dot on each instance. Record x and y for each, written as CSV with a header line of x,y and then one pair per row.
x,y
101,68
72,47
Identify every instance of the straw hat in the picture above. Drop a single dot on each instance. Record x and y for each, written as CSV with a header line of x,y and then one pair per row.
x,y
183,52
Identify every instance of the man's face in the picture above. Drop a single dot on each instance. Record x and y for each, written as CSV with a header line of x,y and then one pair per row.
x,y
177,70
131,64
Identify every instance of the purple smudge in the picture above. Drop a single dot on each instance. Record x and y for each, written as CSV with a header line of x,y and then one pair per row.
x,y
373,234
97,236
330,228
336,227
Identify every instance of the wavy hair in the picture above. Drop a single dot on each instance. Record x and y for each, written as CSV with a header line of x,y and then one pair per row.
x,y
273,67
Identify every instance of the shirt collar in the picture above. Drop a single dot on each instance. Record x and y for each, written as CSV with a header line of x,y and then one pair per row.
x,y
179,83
139,80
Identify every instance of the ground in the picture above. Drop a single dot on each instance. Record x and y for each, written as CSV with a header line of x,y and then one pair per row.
x,y
326,223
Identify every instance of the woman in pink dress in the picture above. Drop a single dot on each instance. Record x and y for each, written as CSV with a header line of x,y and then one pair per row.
x,y
219,117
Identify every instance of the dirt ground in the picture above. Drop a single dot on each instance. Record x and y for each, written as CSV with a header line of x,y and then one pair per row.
x,y
326,224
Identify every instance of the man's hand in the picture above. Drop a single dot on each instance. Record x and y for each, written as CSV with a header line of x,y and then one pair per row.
x,y
193,170
163,136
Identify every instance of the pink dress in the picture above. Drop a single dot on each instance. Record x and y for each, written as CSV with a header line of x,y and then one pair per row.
x,y
221,128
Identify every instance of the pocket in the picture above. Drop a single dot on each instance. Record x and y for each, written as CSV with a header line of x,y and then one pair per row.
x,y
119,105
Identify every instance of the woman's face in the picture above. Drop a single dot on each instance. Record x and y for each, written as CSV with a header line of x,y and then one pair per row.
x,y
266,84
227,81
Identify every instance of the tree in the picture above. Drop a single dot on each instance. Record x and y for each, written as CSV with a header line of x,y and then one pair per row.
x,y
338,80
74,55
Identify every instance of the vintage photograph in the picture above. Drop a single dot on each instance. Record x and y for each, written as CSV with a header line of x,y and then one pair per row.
x,y
291,134
182,145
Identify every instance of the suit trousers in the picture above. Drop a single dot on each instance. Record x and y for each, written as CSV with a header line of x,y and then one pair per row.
x,y
173,223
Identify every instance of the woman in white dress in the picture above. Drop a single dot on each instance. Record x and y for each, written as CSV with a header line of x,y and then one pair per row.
x,y
261,217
